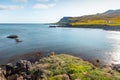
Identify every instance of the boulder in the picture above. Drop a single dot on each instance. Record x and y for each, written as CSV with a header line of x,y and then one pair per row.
x,y
20,78
18,40
12,77
2,77
12,36
52,54
117,67
39,75
65,77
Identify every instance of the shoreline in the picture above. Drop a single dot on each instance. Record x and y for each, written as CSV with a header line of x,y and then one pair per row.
x,y
35,56
52,66
104,27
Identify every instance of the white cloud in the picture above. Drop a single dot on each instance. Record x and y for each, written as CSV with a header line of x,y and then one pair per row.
x,y
10,7
20,1
43,6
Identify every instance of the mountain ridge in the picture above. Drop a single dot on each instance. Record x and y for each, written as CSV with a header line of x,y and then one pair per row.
x,y
110,18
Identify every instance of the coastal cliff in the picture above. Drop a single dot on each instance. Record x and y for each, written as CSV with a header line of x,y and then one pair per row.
x,y
108,18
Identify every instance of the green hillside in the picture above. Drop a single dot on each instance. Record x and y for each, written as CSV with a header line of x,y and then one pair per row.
x,y
109,18
67,67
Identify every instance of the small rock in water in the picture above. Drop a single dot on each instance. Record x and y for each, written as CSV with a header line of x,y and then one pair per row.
x,y
12,36
18,40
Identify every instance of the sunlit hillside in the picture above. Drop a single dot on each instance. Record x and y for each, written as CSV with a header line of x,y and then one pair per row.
x,y
110,18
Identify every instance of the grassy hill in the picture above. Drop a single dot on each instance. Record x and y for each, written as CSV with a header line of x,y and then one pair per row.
x,y
109,18
67,67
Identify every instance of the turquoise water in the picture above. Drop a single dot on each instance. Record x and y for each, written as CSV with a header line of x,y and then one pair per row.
x,y
90,44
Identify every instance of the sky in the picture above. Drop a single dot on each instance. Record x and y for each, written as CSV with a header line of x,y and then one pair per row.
x,y
50,11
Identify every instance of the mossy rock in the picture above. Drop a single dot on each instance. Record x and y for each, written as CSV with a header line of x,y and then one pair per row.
x,y
76,68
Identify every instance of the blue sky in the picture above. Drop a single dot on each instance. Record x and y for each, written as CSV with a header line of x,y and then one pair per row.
x,y
47,11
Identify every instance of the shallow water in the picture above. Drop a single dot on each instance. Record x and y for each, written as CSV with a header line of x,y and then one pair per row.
x,y
90,44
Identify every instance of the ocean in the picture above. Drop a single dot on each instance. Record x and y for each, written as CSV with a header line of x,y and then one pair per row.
x,y
89,44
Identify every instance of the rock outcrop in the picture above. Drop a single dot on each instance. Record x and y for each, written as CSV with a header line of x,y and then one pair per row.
x,y
2,77
17,40
12,36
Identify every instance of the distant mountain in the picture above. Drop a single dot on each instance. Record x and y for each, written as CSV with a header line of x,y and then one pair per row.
x,y
110,18
112,12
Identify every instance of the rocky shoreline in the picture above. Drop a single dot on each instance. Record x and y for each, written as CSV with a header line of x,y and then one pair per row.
x,y
104,27
58,67
21,69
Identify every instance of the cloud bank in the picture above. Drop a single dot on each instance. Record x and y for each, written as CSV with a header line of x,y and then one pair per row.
x,y
20,1
10,7
43,6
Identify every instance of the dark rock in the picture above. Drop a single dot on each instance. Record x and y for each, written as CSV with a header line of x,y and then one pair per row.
x,y
111,72
21,71
23,66
18,40
9,70
12,36
9,66
39,75
117,67
18,71
93,68
97,60
52,26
